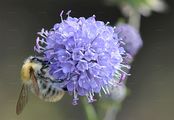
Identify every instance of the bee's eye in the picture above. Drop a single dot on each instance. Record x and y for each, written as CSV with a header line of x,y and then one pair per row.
x,y
34,59
40,60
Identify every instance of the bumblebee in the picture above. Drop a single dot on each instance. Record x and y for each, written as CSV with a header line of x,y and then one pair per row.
x,y
36,78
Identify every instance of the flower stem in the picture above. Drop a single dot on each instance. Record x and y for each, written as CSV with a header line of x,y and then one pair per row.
x,y
134,19
111,112
90,110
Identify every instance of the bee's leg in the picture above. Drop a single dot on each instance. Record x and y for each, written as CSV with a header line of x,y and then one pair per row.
x,y
44,67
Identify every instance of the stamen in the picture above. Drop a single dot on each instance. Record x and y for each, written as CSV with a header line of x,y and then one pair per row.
x,y
40,48
126,66
92,92
61,14
68,13
107,23
43,41
107,90
36,49
104,90
123,77
124,72
110,82
43,33
90,97
75,99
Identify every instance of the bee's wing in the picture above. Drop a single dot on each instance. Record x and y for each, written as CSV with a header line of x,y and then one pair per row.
x,y
34,81
22,100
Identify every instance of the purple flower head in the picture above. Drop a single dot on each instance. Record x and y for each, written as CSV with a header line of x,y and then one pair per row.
x,y
130,37
86,54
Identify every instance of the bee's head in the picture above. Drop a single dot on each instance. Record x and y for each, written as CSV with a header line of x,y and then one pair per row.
x,y
34,59
31,64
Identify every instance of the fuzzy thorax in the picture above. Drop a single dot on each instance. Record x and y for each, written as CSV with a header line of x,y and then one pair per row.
x,y
26,70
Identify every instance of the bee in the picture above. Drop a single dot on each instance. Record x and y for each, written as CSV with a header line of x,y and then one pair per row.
x,y
36,78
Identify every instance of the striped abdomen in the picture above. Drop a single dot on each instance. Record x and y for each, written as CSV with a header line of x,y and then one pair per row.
x,y
49,92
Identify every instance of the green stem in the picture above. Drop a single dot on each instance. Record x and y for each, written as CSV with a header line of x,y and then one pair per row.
x,y
90,110
112,111
134,19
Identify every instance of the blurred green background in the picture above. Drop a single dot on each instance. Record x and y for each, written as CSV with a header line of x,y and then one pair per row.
x,y
151,82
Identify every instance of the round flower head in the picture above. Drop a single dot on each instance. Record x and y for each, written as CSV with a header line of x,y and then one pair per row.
x,y
131,38
85,54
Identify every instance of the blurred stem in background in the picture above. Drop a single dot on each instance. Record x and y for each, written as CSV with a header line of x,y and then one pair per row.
x,y
89,110
112,111
113,105
134,19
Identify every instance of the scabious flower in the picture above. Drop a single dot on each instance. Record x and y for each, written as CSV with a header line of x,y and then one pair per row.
x,y
131,38
85,54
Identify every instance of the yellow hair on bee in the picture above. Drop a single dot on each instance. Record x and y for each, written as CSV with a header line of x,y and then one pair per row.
x,y
25,71
27,68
